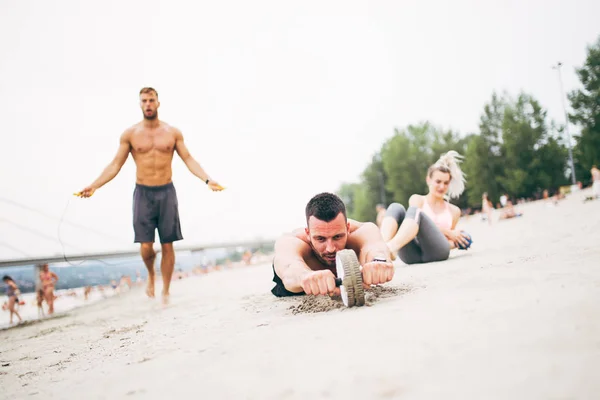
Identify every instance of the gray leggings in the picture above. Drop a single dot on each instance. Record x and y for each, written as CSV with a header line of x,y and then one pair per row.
x,y
429,245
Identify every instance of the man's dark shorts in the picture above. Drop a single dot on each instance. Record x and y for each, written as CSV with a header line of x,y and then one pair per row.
x,y
279,290
156,207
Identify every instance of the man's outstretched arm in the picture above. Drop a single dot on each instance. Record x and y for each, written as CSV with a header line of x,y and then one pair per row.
x,y
289,263
366,240
113,168
191,162
295,273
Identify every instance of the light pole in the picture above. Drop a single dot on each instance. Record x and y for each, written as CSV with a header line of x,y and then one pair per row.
x,y
562,98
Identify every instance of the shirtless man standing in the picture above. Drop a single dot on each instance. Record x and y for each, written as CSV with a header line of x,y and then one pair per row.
x,y
152,143
304,260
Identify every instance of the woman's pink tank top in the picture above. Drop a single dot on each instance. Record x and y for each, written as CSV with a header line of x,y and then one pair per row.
x,y
443,219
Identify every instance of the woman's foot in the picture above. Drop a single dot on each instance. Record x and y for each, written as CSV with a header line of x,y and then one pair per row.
x,y
392,252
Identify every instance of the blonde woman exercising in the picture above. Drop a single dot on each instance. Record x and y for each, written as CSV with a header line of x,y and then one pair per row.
x,y
426,232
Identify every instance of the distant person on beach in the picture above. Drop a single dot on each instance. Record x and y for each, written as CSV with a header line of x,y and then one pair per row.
x,y
48,280
503,199
595,181
138,279
39,299
486,208
12,292
125,282
427,231
152,144
509,211
305,259
380,208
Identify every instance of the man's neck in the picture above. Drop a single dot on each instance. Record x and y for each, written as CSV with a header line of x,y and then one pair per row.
x,y
151,123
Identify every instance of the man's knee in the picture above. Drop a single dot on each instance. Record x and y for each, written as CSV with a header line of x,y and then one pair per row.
x,y
396,211
167,248
147,250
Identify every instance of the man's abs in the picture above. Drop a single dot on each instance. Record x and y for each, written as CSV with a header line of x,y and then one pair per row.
x,y
152,151
153,170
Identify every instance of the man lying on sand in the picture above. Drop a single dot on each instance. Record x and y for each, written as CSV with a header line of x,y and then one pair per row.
x,y
304,260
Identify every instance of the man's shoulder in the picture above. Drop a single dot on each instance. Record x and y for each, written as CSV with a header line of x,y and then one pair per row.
x,y
292,243
170,128
299,234
296,238
130,130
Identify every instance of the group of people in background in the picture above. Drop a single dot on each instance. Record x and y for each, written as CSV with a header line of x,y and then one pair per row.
x,y
44,293
45,290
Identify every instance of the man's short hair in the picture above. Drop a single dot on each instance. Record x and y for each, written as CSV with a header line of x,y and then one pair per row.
x,y
148,90
325,207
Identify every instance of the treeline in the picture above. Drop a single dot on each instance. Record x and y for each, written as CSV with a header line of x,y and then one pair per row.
x,y
517,151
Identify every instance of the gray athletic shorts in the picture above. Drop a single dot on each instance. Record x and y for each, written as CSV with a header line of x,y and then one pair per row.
x,y
156,207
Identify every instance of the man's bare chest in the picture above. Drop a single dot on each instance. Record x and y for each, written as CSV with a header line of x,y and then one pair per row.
x,y
160,141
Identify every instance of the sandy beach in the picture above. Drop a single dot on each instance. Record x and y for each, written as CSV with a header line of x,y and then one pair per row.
x,y
517,316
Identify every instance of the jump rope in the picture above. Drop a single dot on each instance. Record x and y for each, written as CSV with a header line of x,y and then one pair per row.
x,y
60,223
80,194
62,217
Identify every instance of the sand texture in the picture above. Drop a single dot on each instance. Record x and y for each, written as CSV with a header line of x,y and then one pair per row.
x,y
515,317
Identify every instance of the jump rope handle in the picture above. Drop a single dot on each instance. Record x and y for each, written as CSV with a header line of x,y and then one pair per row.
x,y
78,194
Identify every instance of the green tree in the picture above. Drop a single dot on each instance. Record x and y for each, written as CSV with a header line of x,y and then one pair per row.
x,y
586,113
407,155
399,169
514,152
347,192
524,133
483,157
551,162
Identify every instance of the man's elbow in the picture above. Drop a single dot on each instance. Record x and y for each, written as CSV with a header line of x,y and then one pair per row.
x,y
289,280
188,160
291,285
114,168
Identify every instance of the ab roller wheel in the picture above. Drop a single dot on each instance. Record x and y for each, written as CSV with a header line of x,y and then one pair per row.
x,y
349,278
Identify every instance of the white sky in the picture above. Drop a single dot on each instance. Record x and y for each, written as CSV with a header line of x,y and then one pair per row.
x,y
277,100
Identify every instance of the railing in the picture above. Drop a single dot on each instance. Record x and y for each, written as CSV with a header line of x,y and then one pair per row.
x,y
96,256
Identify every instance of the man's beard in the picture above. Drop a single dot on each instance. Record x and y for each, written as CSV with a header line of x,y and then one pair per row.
x,y
322,258
151,117
326,261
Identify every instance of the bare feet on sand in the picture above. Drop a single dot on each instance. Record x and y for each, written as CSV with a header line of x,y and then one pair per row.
x,y
165,299
150,287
